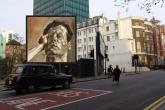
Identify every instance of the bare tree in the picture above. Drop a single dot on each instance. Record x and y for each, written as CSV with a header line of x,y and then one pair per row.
x,y
142,4
15,54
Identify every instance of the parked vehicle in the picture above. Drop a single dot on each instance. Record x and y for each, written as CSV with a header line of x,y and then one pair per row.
x,y
29,77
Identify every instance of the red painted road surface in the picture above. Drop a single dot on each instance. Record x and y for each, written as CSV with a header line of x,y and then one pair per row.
x,y
47,100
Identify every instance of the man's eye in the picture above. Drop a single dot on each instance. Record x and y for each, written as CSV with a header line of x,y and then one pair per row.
x,y
59,36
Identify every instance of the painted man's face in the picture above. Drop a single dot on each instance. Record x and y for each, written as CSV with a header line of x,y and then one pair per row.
x,y
57,41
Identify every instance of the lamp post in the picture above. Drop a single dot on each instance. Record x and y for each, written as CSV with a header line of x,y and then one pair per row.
x,y
105,60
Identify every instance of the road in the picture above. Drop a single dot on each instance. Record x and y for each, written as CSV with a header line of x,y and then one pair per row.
x,y
135,92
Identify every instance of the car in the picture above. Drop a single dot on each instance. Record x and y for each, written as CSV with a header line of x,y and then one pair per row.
x,y
29,77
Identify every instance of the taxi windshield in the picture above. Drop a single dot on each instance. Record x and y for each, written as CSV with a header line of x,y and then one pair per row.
x,y
19,70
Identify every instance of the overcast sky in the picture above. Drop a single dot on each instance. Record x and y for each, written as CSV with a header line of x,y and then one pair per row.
x,y
13,12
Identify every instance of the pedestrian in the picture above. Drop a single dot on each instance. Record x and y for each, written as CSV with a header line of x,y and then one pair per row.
x,y
116,74
110,71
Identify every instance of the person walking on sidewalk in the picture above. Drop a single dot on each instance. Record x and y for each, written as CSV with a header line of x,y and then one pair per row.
x,y
116,73
110,71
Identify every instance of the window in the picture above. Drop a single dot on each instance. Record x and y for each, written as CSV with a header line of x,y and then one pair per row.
x,y
108,38
146,59
137,33
19,70
107,28
89,39
112,37
10,36
138,47
95,29
92,30
143,34
148,48
116,26
106,48
79,49
84,32
145,47
84,39
79,56
147,37
84,48
89,30
41,70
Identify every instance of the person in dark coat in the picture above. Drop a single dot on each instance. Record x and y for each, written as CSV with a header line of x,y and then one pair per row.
x,y
110,71
116,73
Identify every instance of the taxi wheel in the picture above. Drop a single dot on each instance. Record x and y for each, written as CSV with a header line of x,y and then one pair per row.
x,y
18,91
31,88
66,84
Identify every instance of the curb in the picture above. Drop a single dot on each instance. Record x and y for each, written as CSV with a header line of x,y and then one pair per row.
x,y
132,74
92,79
87,80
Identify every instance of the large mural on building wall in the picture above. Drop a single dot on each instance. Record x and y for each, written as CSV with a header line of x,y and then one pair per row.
x,y
51,39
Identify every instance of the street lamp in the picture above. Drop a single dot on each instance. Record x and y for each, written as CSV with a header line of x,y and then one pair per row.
x,y
105,60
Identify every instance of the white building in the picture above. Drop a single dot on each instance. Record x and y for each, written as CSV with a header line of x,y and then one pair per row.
x,y
10,35
86,35
123,37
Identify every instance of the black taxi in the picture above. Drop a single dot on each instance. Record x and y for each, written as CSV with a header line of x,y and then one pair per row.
x,y
32,76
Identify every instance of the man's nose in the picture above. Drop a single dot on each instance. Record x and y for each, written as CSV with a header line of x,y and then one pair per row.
x,y
55,37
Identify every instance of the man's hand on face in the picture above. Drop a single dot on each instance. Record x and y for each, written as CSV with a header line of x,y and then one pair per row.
x,y
43,39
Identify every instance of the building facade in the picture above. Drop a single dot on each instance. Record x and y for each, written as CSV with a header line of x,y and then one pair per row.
x,y
160,44
78,8
2,46
124,38
136,38
162,39
158,37
86,40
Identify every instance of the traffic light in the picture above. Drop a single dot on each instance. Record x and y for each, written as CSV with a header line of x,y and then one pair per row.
x,y
92,53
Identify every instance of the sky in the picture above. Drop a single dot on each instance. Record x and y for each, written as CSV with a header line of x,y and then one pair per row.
x,y
13,13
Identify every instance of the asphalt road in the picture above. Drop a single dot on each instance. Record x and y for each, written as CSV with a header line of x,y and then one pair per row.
x,y
135,92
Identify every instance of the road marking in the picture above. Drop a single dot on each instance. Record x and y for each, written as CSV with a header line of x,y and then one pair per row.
x,y
51,99
95,90
156,104
76,101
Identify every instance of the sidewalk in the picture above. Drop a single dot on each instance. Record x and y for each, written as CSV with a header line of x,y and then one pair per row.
x,y
101,77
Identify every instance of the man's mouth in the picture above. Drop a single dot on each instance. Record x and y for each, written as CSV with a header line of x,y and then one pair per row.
x,y
54,51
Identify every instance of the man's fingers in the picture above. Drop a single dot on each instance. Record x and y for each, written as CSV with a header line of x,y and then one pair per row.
x,y
43,39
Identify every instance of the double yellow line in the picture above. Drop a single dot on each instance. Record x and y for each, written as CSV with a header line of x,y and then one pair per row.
x,y
156,104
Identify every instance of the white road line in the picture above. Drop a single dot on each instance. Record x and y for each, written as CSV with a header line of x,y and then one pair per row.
x,y
74,101
94,90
